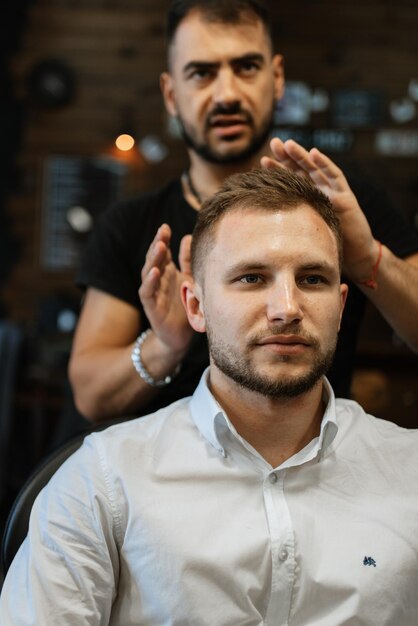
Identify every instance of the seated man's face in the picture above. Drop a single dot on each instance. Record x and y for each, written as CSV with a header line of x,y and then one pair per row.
x,y
271,299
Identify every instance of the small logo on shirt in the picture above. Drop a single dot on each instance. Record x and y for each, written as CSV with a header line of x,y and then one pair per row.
x,y
369,561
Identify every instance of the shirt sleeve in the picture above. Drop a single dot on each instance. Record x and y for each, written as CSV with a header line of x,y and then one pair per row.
x,y
66,570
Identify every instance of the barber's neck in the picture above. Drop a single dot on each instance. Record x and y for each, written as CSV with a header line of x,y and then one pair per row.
x,y
206,177
277,428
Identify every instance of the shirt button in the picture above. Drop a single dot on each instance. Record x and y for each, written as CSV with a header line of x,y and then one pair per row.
x,y
273,478
283,554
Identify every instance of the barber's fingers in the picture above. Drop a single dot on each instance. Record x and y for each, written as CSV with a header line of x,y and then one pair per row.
x,y
163,233
280,156
158,254
185,255
150,286
320,168
329,169
278,148
301,157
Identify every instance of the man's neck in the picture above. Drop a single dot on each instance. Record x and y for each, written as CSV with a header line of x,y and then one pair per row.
x,y
277,428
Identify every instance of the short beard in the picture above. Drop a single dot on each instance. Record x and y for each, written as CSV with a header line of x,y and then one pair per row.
x,y
211,156
241,371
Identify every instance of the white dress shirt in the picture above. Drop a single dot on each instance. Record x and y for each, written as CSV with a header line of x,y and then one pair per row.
x,y
175,520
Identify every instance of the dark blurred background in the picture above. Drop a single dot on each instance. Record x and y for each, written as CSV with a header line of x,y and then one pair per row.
x,y
76,74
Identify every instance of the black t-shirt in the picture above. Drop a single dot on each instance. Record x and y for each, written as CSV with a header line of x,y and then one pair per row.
x,y
116,253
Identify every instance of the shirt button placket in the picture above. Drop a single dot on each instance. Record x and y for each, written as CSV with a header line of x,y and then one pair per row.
x,y
273,478
281,533
283,554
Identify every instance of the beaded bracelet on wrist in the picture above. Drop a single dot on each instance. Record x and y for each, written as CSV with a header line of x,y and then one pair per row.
x,y
140,367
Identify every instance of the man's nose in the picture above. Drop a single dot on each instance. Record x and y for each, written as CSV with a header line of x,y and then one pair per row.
x,y
284,302
225,89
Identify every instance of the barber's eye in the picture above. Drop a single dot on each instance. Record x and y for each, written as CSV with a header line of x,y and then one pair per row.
x,y
201,74
248,69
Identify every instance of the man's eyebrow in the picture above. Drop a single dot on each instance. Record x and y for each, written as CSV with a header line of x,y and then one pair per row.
x,y
320,265
246,267
256,266
255,57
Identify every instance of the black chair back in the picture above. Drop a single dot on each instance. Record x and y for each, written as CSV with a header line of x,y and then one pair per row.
x,y
17,523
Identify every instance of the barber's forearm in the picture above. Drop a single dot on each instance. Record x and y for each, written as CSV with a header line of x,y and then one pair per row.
x,y
106,384
396,295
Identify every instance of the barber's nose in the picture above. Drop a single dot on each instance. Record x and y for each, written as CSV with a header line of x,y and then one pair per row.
x,y
225,88
284,303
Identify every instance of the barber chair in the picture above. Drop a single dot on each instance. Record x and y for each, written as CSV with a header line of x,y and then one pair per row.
x,y
18,520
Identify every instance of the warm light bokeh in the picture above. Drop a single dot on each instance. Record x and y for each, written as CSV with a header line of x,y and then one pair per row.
x,y
124,142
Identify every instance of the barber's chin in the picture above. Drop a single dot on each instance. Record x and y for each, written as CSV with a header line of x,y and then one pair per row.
x,y
230,152
227,138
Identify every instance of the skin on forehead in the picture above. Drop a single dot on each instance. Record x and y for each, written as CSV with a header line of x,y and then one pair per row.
x,y
263,238
197,38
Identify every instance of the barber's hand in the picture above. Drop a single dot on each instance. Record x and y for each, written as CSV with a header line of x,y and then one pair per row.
x,y
160,291
360,248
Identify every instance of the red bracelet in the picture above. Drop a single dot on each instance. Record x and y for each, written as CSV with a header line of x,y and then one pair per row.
x,y
371,282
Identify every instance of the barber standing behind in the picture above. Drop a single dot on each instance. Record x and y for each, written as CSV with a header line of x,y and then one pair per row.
x,y
222,83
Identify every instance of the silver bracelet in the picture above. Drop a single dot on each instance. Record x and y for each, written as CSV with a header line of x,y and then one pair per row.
x,y
140,367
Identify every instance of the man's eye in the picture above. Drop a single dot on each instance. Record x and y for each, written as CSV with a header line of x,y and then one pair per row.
x,y
313,280
250,279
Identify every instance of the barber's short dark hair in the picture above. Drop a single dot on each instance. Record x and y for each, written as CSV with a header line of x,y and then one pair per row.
x,y
223,11
264,190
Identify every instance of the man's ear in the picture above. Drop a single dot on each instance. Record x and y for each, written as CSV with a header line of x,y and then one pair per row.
x,y
278,76
191,297
167,88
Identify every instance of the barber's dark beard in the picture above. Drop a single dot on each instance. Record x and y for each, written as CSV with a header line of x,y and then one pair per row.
x,y
240,369
208,154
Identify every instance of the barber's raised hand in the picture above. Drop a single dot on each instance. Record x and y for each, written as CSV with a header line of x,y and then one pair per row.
x,y
160,290
360,248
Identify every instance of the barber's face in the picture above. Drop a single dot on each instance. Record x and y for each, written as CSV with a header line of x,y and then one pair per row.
x,y
222,87
270,300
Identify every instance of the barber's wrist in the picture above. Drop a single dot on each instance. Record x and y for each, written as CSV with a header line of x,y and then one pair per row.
x,y
365,272
155,363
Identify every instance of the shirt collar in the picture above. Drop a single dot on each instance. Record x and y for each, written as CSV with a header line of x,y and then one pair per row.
x,y
210,418
329,426
207,413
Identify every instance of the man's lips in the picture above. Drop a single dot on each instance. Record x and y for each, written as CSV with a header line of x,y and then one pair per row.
x,y
284,344
284,340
